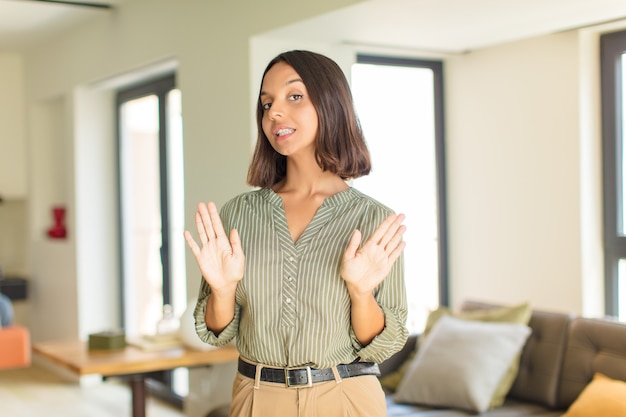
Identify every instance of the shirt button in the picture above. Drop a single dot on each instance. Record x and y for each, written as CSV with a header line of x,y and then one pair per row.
x,y
291,259
289,279
288,300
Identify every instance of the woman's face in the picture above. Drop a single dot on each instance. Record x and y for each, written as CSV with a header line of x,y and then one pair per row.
x,y
289,117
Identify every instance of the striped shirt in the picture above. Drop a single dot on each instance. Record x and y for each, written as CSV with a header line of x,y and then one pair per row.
x,y
292,306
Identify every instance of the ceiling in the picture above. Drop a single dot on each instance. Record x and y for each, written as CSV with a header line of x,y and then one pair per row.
x,y
446,26
25,22
452,26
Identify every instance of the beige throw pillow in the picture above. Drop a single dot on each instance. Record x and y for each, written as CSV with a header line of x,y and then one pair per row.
x,y
519,313
461,363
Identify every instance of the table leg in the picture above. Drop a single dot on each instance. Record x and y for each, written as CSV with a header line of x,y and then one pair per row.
x,y
138,392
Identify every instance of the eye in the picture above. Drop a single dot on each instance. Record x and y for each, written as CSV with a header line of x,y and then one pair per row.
x,y
295,97
266,106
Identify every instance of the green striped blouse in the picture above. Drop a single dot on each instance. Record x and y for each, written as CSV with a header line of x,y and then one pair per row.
x,y
292,306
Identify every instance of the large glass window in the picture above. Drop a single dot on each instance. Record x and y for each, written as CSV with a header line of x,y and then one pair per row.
x,y
152,217
399,106
613,73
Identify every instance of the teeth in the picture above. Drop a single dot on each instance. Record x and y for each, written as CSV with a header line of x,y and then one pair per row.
x,y
282,132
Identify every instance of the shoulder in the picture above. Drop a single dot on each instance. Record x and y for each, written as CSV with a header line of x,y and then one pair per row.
x,y
371,204
361,210
253,197
368,212
247,203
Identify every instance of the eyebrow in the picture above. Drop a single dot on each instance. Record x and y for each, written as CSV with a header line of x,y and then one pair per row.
x,y
295,80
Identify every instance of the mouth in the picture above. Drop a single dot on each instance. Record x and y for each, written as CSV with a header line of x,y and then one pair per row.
x,y
283,132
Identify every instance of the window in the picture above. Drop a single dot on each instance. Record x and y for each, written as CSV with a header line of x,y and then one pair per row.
x,y
399,104
152,216
613,74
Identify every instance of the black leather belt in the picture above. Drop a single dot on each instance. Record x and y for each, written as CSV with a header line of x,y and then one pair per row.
x,y
307,376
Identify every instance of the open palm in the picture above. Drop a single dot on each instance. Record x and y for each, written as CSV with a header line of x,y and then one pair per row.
x,y
364,268
220,258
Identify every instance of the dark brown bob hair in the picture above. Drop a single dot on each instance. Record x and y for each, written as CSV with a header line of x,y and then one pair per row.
x,y
340,146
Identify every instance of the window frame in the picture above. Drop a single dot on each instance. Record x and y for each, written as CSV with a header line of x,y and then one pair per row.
x,y
159,384
612,46
440,160
159,87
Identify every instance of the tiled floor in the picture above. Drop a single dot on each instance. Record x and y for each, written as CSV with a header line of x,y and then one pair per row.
x,y
36,392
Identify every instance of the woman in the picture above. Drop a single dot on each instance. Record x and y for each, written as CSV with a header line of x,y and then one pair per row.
x,y
307,279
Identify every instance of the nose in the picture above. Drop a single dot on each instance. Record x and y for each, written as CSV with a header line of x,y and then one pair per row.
x,y
275,111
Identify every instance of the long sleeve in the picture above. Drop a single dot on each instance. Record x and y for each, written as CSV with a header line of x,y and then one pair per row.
x,y
391,297
203,332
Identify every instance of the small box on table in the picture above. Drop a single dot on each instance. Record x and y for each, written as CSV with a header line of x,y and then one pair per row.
x,y
108,340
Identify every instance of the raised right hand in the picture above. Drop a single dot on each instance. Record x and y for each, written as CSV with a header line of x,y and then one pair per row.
x,y
220,259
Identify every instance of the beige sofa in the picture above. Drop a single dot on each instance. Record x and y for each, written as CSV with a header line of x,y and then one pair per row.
x,y
558,361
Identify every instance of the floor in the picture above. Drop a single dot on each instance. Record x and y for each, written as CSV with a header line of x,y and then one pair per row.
x,y
36,392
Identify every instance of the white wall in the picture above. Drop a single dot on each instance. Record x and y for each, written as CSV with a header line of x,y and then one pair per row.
x,y
13,182
12,134
515,175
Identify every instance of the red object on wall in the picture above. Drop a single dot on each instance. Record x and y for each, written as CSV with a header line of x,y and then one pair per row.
x,y
58,231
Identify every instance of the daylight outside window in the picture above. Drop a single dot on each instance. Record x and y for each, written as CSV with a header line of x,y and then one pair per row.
x,y
396,110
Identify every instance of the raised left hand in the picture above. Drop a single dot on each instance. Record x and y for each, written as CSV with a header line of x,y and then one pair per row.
x,y
364,268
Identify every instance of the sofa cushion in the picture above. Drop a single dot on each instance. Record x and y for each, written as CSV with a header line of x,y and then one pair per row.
x,y
519,313
603,396
510,408
594,345
542,357
460,363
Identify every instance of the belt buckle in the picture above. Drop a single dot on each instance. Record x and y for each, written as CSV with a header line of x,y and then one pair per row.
x,y
309,382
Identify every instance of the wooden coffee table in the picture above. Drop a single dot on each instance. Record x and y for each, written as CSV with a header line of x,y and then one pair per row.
x,y
130,361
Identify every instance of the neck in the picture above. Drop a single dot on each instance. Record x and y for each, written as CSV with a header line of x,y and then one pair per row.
x,y
309,179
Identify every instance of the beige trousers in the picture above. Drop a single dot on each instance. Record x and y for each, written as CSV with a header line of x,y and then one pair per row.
x,y
360,396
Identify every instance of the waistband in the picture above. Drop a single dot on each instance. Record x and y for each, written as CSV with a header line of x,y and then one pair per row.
x,y
305,376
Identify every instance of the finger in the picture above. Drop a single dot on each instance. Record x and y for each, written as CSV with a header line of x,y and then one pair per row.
x,y
201,229
216,221
397,251
195,249
396,238
235,242
353,244
392,229
207,224
380,231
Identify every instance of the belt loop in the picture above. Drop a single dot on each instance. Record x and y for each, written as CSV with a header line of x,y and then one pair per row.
x,y
257,376
336,374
